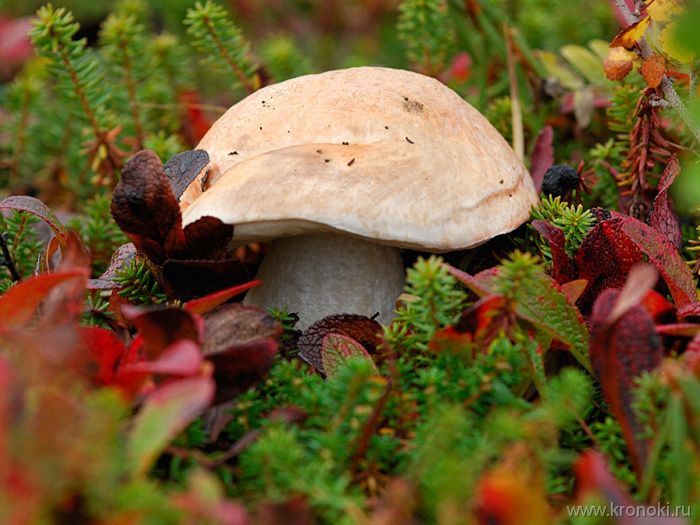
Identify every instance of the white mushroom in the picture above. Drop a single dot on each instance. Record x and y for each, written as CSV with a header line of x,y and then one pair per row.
x,y
341,169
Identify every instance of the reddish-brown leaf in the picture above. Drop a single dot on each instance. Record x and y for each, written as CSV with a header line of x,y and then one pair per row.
x,y
211,301
653,70
594,477
618,63
294,511
19,303
542,156
662,216
162,327
236,323
640,282
574,289
563,268
37,208
145,208
364,330
621,349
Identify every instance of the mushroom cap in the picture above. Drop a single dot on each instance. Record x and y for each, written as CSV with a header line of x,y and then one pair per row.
x,y
377,153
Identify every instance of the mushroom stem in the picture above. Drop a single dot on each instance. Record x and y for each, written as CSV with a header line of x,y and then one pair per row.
x,y
324,274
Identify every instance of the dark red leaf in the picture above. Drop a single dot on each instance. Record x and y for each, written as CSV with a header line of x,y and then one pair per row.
x,y
187,279
621,349
208,238
241,365
678,329
183,168
161,328
662,216
241,342
295,511
574,289
665,257
604,259
563,268
211,301
364,330
481,283
542,156
145,208
19,303
37,208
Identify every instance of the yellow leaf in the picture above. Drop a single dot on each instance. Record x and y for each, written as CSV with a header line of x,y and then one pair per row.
x,y
632,34
670,46
663,10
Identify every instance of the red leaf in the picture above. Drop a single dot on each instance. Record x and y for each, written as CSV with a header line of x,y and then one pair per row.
x,y
484,319
593,477
37,208
689,310
563,269
621,349
363,329
640,282
665,257
195,122
19,303
105,349
211,301
182,358
542,156
163,327
613,246
678,329
662,216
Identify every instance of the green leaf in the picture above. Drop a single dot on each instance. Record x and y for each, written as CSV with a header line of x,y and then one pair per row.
x,y
336,349
586,63
165,414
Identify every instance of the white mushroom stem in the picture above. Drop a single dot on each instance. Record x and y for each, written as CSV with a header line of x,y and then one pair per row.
x,y
323,274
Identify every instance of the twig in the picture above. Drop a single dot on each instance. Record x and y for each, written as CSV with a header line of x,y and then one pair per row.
x,y
666,84
7,259
516,113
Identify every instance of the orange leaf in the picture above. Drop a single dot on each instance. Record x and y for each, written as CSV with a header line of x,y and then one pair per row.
x,y
618,63
632,34
653,69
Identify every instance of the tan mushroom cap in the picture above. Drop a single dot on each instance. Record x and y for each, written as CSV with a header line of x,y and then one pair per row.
x,y
382,154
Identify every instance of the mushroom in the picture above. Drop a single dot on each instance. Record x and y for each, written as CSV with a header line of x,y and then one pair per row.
x,y
341,169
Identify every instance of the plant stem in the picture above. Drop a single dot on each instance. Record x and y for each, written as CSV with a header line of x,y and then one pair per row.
x,y
7,259
516,113
224,53
131,89
666,84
